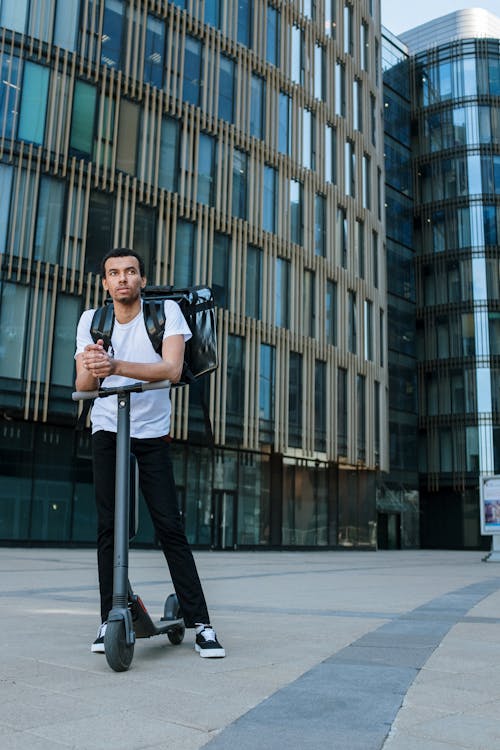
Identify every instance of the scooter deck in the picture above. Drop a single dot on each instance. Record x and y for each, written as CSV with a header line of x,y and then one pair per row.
x,y
144,626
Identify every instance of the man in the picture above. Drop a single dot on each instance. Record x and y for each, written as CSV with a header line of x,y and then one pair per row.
x,y
131,357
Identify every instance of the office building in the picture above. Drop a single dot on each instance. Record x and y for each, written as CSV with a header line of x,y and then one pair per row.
x,y
398,516
454,65
238,144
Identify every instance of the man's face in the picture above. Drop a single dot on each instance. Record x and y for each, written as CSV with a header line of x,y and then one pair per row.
x,y
123,280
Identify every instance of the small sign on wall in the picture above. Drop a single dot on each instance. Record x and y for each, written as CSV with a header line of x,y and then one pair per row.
x,y
490,505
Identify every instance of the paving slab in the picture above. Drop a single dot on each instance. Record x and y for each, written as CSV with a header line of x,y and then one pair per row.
x,y
325,649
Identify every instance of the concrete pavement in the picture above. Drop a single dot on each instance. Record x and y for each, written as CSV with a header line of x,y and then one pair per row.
x,y
339,649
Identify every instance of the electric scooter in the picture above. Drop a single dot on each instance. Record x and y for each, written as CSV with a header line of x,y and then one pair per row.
x,y
129,619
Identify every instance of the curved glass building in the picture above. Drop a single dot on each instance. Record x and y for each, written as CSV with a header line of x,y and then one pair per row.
x,y
234,143
455,123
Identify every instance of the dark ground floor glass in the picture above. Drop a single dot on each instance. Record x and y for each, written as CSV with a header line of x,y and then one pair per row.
x,y
229,498
450,518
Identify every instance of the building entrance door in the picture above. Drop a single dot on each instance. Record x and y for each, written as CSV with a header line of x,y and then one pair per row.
x,y
224,519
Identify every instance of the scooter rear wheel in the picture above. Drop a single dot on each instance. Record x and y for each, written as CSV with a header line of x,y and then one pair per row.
x,y
118,652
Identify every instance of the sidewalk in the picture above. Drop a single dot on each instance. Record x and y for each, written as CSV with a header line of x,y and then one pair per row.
x,y
329,650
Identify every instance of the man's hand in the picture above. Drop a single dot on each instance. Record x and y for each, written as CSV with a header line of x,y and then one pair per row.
x,y
96,361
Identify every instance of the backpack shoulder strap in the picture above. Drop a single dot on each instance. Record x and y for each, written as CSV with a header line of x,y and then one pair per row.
x,y
154,320
102,325
100,328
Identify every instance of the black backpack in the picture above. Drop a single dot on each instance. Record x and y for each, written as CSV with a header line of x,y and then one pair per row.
x,y
198,307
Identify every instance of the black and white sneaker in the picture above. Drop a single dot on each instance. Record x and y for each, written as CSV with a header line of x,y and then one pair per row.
x,y
207,644
98,645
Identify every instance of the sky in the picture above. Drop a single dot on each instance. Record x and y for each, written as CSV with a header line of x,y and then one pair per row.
x,y
399,16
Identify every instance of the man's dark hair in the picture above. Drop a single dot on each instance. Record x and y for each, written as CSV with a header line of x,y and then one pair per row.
x,y
122,252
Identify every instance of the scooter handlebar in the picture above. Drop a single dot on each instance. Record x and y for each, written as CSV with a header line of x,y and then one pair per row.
x,y
137,387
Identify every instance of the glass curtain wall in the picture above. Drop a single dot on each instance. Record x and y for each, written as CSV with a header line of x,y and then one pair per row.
x,y
457,228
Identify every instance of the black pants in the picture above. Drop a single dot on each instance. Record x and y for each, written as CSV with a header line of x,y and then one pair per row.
x,y
158,487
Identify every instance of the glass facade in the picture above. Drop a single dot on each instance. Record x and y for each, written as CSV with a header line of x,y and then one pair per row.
x,y
441,127
457,222
398,492
221,158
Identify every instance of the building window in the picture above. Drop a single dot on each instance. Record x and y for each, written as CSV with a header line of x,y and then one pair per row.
x,y
185,243
357,104
297,62
221,265
368,329
244,34
361,414
33,103
83,118
376,423
192,80
331,312
235,404
6,173
381,338
331,18
364,46
66,24
206,169
342,230
9,93
128,129
267,387
13,14
367,175
240,179
273,36
226,88
340,99
253,283
350,168
351,322
348,35
145,221
296,212
168,172
373,118
375,258
309,301
257,107
361,248
330,154
49,219
342,411
270,199
284,137
62,366
282,292
41,20
308,139
154,51
212,12
320,405
320,225
112,34
99,230
295,401
319,72
13,327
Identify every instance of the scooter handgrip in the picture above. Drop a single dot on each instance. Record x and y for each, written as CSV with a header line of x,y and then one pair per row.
x,y
84,395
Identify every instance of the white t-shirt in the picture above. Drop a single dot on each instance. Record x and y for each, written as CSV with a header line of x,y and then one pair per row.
x,y
149,411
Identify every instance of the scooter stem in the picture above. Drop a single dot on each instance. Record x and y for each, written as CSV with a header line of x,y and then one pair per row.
x,y
122,495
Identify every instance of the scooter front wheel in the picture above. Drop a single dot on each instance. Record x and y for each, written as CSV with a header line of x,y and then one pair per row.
x,y
118,652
